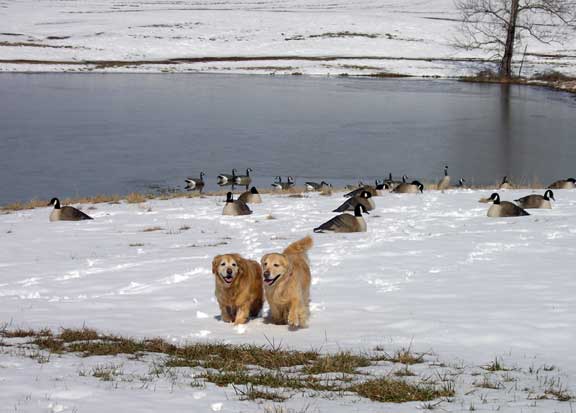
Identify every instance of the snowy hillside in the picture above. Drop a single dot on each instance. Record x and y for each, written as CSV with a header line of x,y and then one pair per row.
x,y
432,273
411,37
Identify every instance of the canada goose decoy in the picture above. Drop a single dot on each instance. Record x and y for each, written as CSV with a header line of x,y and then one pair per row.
x,y
235,207
445,181
243,179
251,197
569,183
365,199
195,183
283,185
66,213
536,201
315,186
346,222
505,184
504,208
462,183
226,179
409,188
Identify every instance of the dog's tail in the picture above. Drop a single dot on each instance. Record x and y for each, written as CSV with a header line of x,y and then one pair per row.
x,y
300,246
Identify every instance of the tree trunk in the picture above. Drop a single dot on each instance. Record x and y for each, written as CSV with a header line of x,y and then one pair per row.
x,y
506,63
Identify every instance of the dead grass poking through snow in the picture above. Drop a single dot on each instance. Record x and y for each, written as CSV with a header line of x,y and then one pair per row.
x,y
152,229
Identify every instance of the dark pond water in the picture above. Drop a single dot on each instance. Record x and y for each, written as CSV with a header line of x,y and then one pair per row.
x,y
86,134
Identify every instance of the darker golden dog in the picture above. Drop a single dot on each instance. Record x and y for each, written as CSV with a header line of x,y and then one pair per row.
x,y
238,287
287,284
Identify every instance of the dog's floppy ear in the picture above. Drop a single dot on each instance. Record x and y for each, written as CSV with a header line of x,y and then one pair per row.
x,y
215,263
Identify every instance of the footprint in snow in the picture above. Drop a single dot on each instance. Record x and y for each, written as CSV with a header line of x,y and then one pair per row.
x,y
216,407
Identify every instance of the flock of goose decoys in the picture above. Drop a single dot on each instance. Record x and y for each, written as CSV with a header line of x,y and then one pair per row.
x,y
359,199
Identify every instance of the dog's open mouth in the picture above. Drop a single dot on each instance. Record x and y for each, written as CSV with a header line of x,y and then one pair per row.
x,y
228,279
271,281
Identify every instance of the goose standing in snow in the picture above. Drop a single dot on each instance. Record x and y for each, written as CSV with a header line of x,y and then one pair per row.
x,y
66,213
569,183
195,183
409,188
226,179
235,207
244,179
536,201
505,184
346,222
504,208
364,199
278,184
251,197
315,186
445,181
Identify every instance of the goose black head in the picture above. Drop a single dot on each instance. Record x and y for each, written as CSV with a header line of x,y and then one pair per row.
x,y
495,198
390,176
359,209
202,175
461,182
419,185
229,197
248,171
446,170
571,180
55,202
549,195
404,178
505,180
253,190
291,179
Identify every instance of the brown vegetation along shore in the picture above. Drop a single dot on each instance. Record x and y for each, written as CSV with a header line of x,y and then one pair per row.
x,y
137,197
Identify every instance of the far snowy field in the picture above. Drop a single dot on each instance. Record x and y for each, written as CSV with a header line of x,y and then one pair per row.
x,y
432,273
355,37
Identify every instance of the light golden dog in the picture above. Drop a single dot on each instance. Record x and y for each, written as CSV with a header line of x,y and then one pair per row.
x,y
287,284
238,287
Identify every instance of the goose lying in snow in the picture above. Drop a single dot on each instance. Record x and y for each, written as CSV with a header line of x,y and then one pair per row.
x,y
503,208
409,188
569,183
251,197
536,201
235,207
346,222
365,199
66,213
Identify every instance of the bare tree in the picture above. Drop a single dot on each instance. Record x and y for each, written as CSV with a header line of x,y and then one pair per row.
x,y
503,25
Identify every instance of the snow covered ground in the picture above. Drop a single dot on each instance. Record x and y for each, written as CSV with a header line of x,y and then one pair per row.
x,y
432,272
411,37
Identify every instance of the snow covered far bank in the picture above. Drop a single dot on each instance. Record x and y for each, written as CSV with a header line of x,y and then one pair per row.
x,y
293,36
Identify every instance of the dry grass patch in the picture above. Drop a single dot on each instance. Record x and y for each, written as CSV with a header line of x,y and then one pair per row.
x,y
387,390
403,356
136,198
249,392
342,362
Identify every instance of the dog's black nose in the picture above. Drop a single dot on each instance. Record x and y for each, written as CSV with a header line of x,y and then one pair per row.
x,y
266,273
229,271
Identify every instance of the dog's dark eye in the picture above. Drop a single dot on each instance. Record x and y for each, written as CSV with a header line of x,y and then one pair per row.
x,y
223,264
233,264
276,265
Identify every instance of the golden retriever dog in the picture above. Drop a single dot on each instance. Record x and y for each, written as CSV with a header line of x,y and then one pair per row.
x,y
238,287
287,284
